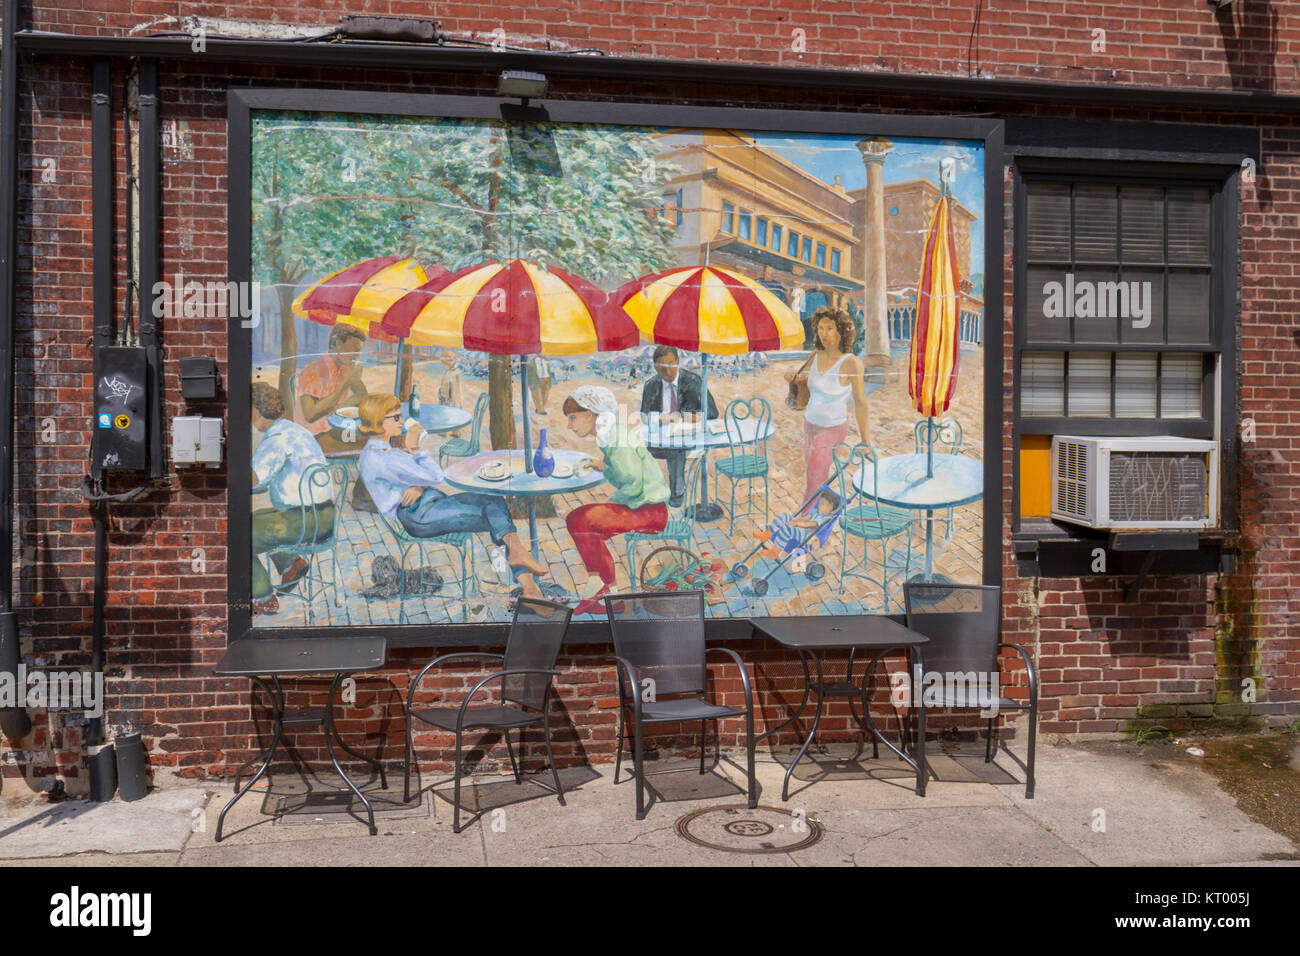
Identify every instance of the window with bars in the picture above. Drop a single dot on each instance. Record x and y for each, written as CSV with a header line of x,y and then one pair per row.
x,y
1117,317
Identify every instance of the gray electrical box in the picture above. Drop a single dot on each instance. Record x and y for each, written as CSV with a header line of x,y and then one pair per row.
x,y
196,440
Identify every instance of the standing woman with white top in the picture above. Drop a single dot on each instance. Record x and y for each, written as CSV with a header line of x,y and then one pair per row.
x,y
834,381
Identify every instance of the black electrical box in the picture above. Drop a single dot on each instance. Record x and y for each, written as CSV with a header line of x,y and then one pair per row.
x,y
199,378
121,409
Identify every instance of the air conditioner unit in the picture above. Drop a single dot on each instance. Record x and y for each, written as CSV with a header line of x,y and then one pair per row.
x,y
1135,483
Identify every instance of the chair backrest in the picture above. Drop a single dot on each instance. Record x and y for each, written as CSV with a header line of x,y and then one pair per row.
x,y
946,435
536,634
661,634
740,415
850,461
476,430
335,478
962,621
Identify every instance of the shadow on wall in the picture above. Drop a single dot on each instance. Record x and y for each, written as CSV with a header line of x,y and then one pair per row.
x,y
1249,30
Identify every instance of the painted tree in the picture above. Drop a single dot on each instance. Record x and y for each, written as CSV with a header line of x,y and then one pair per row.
x,y
296,235
457,192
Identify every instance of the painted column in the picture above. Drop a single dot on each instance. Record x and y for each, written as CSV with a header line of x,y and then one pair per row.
x,y
870,251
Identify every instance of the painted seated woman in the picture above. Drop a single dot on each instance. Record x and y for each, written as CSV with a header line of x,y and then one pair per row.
x,y
402,482
640,489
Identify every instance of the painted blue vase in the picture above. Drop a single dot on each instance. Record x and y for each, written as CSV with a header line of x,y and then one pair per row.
x,y
543,460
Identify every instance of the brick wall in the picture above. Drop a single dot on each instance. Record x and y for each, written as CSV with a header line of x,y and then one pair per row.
x,y
1178,654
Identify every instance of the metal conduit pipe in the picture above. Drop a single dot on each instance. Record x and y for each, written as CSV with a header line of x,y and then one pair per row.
x,y
14,721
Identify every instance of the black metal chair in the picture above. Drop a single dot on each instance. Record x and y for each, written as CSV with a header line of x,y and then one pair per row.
x,y
963,623
662,675
536,634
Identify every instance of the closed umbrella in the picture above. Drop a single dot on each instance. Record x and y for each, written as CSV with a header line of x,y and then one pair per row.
x,y
712,311
932,360
513,308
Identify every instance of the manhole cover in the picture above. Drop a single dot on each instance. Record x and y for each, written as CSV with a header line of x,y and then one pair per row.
x,y
738,829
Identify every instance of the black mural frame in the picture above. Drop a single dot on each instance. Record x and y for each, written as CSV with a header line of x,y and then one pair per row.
x,y
241,103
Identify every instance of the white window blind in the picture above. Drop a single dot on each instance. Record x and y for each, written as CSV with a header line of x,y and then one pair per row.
x,y
1042,383
1180,385
1089,384
1135,385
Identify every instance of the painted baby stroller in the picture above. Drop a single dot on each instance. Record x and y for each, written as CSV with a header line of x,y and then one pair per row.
x,y
791,543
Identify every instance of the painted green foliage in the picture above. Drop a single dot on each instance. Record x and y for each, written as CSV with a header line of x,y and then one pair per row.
x,y
329,190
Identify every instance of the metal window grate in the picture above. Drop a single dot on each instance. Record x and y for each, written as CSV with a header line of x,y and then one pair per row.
x,y
1158,486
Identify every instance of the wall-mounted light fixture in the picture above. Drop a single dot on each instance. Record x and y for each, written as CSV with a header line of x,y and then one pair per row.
x,y
527,86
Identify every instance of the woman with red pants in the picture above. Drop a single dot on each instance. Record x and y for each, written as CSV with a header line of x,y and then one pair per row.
x,y
640,489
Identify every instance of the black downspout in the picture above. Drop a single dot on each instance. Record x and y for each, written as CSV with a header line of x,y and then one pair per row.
x,y
14,721
101,204
150,176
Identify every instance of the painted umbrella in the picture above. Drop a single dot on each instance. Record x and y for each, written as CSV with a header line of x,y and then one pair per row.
x,y
360,294
712,311
513,308
932,360
709,310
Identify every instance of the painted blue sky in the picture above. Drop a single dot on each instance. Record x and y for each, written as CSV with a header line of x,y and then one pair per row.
x,y
824,156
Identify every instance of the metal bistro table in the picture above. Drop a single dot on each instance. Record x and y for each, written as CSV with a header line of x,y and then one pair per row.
x,y
689,436
464,474
816,635
903,483
268,659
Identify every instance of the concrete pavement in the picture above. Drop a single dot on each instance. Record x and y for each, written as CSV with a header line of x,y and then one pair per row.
x,y
1095,804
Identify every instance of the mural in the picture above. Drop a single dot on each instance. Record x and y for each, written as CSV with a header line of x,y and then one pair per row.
x,y
571,360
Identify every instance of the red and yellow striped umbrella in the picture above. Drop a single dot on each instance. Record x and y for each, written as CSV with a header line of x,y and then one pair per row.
x,y
516,308
932,362
710,310
361,293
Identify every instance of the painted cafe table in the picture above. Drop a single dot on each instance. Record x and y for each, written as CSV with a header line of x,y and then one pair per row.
x,y
699,434
901,481
476,474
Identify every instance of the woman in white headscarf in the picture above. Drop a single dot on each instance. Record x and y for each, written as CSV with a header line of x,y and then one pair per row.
x,y
640,489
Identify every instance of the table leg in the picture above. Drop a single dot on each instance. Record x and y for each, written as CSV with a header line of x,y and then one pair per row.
x,y
532,525
706,510
277,702
928,576
377,764
807,692
922,770
929,544
919,763
817,719
330,732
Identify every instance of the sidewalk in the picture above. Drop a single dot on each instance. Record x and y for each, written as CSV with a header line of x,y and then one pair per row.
x,y
1157,805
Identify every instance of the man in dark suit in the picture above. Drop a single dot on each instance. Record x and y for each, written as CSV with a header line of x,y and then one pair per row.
x,y
675,394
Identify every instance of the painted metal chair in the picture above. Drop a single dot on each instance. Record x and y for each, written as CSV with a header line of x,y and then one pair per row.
x,y
680,528
947,437
663,674
745,462
866,520
963,623
466,447
315,540
462,542
528,667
